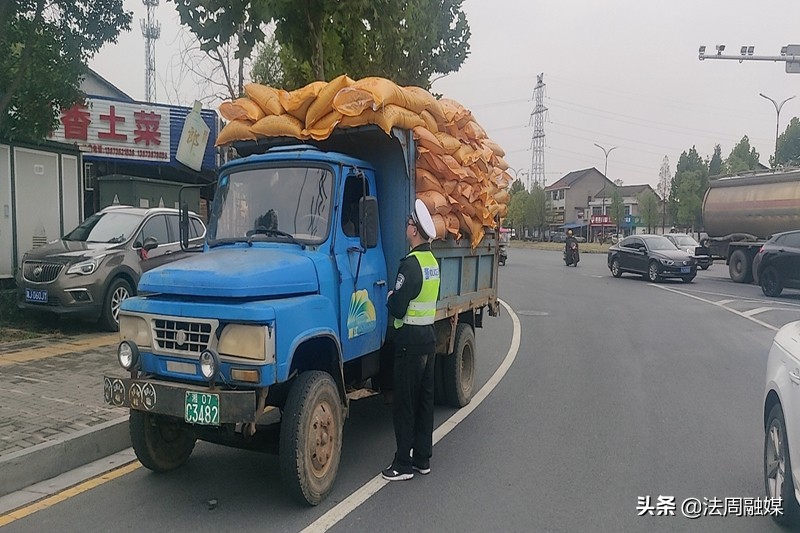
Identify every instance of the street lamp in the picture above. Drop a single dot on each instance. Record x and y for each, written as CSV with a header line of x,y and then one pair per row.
x,y
777,120
605,172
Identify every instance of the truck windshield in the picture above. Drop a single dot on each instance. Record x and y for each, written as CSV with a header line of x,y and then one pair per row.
x,y
268,203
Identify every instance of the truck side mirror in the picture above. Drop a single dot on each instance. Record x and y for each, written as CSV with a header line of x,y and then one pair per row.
x,y
368,221
184,226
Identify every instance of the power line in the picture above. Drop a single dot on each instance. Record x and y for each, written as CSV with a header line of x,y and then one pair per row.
x,y
538,116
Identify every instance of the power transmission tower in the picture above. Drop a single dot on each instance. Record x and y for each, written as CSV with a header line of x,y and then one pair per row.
x,y
538,116
151,31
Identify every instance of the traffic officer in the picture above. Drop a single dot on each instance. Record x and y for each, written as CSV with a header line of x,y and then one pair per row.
x,y
412,303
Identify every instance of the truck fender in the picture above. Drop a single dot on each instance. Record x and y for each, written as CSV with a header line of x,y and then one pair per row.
x,y
299,361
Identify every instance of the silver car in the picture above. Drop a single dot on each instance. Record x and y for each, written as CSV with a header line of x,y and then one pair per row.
x,y
90,270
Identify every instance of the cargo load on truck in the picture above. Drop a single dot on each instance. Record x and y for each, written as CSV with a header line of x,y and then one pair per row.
x,y
461,175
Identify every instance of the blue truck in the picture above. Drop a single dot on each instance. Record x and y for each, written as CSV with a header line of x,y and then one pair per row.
x,y
262,340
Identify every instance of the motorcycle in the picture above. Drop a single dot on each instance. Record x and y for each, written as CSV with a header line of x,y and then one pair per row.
x,y
571,254
503,255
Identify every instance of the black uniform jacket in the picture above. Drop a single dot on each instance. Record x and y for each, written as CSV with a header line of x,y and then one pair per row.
x,y
414,339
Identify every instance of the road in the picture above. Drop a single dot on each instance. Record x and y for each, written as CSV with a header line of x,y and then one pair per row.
x,y
620,390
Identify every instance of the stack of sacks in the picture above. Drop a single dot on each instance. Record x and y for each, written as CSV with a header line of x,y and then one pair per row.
x,y
461,174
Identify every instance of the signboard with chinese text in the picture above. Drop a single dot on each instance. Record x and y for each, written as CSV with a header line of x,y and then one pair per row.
x,y
601,220
110,129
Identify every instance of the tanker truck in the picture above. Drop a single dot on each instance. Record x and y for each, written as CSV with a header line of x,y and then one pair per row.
x,y
741,212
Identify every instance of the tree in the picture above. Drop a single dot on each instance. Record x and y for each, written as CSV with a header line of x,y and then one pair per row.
x,y
536,209
267,67
516,212
690,165
742,157
715,165
663,189
788,145
617,207
46,46
648,209
516,186
690,198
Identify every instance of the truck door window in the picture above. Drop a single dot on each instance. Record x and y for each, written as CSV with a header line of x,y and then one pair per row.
x,y
353,190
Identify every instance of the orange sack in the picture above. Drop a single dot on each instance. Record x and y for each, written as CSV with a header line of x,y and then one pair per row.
x,y
241,109
297,102
322,105
235,130
278,126
265,96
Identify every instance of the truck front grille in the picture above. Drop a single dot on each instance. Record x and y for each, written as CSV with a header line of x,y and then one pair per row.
x,y
181,336
38,272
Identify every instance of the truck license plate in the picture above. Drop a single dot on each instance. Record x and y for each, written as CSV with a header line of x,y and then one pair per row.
x,y
201,408
36,295
686,270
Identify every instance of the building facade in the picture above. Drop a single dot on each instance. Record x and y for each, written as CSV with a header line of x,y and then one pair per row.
x,y
570,199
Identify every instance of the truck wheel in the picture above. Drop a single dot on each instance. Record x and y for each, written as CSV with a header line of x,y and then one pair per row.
x,y
311,437
459,368
778,468
615,270
439,396
161,443
654,272
771,284
118,290
739,267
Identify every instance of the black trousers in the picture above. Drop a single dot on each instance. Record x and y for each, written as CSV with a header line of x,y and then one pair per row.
x,y
412,408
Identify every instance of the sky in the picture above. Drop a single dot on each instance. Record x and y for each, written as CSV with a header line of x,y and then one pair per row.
x,y
619,73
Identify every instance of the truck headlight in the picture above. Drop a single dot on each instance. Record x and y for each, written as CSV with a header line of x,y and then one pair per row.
x,y
134,329
128,355
209,364
248,342
86,267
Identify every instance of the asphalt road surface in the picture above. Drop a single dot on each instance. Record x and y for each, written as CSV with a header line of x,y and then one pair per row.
x,y
621,392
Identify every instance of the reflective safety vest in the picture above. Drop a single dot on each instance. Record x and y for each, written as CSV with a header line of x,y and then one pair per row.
x,y
422,309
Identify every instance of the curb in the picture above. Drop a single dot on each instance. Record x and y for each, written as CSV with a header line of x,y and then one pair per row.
x,y
47,460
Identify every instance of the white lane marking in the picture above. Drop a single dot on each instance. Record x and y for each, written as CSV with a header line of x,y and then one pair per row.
x,y
349,504
736,298
758,310
734,311
725,302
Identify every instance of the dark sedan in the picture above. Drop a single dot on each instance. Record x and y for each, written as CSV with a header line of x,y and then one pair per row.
x,y
777,264
652,256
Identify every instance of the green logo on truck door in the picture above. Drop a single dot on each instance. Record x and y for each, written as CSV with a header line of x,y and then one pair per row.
x,y
361,315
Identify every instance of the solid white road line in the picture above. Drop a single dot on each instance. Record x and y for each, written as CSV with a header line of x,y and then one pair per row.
x,y
734,311
349,504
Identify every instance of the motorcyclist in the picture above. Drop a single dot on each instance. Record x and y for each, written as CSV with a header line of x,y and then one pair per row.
x,y
570,248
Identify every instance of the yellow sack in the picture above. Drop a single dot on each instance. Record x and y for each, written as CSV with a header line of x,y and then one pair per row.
x,y
430,122
453,225
441,226
501,164
352,101
241,109
425,138
435,202
297,102
502,197
278,126
235,130
323,127
322,105
448,142
431,104
473,131
426,181
387,118
494,147
265,96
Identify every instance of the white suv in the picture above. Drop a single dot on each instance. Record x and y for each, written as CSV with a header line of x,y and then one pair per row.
x,y
782,422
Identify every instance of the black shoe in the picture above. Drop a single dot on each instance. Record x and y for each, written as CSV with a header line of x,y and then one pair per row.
x,y
422,468
390,474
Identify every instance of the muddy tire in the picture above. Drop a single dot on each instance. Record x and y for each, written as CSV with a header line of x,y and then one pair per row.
x,y
458,368
740,267
161,443
118,291
311,437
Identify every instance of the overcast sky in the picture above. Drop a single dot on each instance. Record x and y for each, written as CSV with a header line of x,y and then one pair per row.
x,y
621,73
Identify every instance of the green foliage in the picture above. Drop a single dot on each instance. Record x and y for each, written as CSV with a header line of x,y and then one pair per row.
x,y
715,165
689,198
46,46
516,211
689,164
789,145
267,67
648,209
516,186
536,209
617,208
742,157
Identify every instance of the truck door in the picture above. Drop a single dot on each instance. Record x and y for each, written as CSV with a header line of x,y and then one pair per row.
x,y
362,291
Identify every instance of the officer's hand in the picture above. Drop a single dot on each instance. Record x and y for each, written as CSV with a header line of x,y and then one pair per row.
x,y
390,293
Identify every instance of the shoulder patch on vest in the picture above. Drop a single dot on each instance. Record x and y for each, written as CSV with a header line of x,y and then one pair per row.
x,y
399,283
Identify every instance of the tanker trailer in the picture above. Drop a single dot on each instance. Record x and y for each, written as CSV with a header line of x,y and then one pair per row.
x,y
741,212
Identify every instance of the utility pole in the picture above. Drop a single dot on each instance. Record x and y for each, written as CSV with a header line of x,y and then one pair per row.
x,y
777,122
151,31
538,116
605,171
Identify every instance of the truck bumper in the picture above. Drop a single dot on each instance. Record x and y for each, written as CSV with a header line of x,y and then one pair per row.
x,y
170,398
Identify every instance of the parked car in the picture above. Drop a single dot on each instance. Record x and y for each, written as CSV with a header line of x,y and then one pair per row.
x,y
652,256
90,270
777,264
686,242
558,236
781,419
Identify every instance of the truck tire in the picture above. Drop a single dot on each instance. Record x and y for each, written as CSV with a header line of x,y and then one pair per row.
x,y
458,368
778,468
118,290
439,396
161,443
739,267
311,437
770,281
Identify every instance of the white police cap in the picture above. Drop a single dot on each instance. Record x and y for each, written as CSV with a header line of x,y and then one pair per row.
x,y
422,218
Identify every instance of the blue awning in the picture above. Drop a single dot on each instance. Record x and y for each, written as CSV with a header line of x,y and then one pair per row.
x,y
573,225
